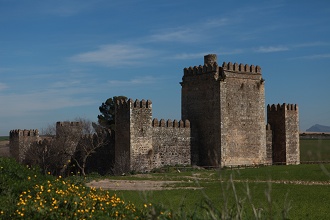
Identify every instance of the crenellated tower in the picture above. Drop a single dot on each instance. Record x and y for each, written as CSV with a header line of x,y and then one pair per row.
x,y
20,142
284,122
133,134
226,107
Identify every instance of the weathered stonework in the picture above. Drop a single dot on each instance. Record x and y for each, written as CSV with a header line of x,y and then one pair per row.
x,y
226,108
143,144
284,121
223,124
20,142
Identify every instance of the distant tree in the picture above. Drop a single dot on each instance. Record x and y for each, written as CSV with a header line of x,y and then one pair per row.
x,y
107,109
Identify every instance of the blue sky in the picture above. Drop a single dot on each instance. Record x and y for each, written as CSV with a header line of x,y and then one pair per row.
x,y
61,59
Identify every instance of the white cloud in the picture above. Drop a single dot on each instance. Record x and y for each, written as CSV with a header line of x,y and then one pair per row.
x,y
115,55
271,49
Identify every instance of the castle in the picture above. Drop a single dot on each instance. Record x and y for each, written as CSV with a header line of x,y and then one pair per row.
x,y
223,124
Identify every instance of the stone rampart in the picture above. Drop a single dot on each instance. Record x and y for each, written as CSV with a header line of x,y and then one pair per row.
x,y
171,142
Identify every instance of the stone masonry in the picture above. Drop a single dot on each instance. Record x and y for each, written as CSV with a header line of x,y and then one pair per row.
x,y
143,143
226,108
223,124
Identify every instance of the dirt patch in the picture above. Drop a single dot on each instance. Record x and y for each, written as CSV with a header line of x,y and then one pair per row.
x,y
139,185
146,185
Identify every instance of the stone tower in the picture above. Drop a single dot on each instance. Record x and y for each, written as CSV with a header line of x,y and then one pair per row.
x,y
284,122
133,137
226,108
20,142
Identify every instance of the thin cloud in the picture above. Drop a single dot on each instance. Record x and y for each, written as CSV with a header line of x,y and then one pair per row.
x,y
135,82
214,23
190,33
115,55
271,49
3,86
313,57
312,44
66,8
176,34
186,56
23,104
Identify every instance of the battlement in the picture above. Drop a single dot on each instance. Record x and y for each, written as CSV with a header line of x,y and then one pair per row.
x,y
235,67
87,136
284,106
169,123
68,124
196,70
24,133
268,127
135,104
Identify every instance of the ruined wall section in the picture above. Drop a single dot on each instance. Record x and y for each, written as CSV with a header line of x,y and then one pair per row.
x,y
171,143
200,104
284,120
20,142
242,115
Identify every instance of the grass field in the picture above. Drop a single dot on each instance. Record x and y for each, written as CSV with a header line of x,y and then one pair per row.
x,y
276,192
272,192
315,150
4,138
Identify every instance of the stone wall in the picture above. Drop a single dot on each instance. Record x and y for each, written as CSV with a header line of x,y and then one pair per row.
x,y
143,144
20,142
269,144
122,135
223,124
141,136
226,108
243,115
171,143
200,103
284,121
292,134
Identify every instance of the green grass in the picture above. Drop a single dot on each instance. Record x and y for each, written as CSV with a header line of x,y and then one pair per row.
x,y
4,138
314,150
230,193
300,201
